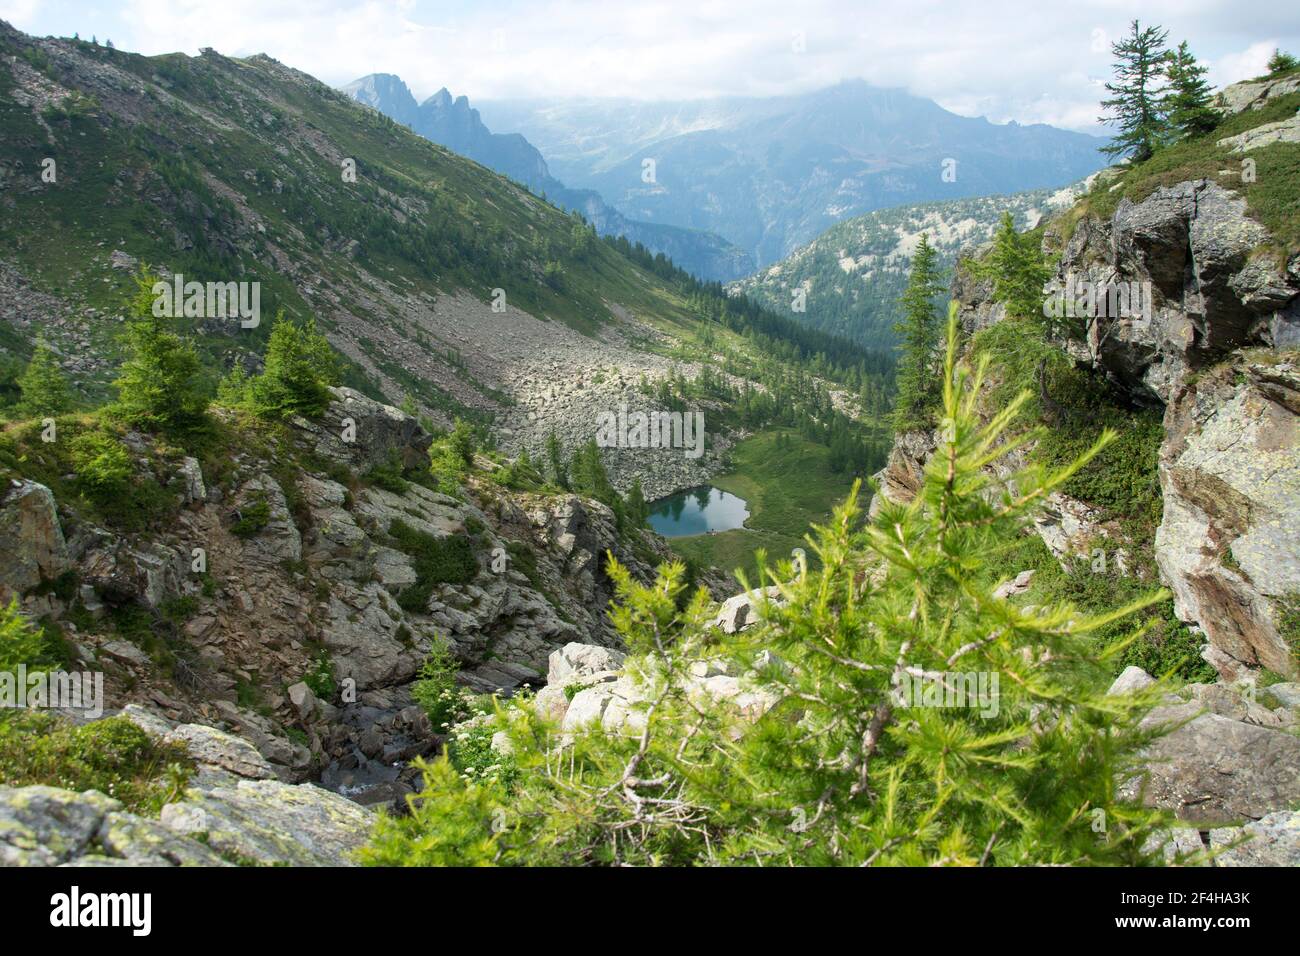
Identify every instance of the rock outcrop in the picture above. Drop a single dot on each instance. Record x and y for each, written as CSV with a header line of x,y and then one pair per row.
x,y
1228,544
1218,350
900,479
1231,758
1253,95
1215,341
1196,249
589,687
304,583
32,547
364,433
233,813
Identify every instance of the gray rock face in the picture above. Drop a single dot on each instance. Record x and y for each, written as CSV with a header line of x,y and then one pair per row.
x,y
1273,840
901,477
1288,694
267,822
742,611
303,700
1195,245
44,826
207,745
224,817
1229,540
1283,131
125,838
1069,526
1133,678
364,433
575,661
1251,96
279,540
1215,770
615,700
143,572
190,474
32,547
362,636
1236,702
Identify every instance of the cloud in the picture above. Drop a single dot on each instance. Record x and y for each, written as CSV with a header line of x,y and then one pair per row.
x,y
1013,59
20,13
1244,65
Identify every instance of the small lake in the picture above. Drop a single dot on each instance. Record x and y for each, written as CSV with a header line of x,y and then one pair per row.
x,y
697,511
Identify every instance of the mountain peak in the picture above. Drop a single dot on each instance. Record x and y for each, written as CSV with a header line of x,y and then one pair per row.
x,y
385,92
440,100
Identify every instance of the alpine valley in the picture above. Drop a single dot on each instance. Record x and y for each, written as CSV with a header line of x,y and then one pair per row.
x,y
306,405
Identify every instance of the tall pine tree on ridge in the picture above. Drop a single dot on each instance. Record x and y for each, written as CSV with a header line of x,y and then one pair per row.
x,y
1136,103
919,388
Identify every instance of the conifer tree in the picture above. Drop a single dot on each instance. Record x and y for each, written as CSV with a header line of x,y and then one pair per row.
x,y
587,476
159,385
462,442
1187,104
20,642
300,366
1018,271
846,763
638,511
1281,62
44,388
555,458
1135,107
918,330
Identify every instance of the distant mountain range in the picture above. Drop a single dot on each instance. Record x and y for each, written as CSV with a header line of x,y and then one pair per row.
x,y
853,274
453,123
770,174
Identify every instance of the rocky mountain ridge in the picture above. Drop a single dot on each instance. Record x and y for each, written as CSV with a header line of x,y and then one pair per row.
x,y
426,271
453,123
771,174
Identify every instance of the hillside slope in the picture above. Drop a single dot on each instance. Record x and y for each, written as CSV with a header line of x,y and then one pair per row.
x,y
853,274
442,282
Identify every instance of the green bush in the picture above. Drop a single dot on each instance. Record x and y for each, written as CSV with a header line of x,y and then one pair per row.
x,y
519,475
1072,407
470,751
448,560
389,476
102,464
460,831
435,689
320,678
447,470
112,755
300,366
160,385
20,642
1165,646
44,388
253,517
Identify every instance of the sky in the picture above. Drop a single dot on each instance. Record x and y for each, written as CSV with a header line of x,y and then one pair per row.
x,y
1033,61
